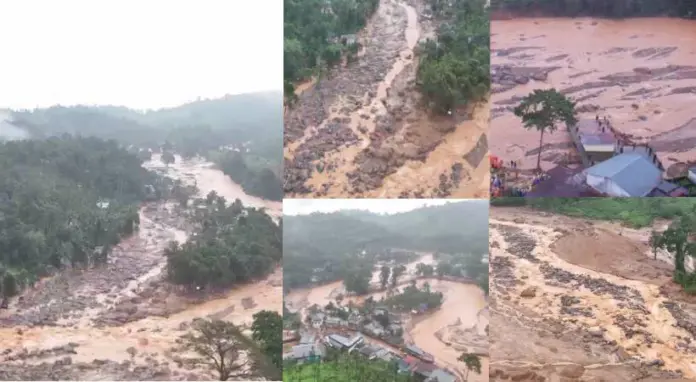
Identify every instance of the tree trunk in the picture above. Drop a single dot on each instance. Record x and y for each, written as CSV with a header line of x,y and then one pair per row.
x,y
541,142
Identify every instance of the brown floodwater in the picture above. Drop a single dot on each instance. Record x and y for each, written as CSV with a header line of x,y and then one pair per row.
x,y
157,334
657,320
658,108
464,308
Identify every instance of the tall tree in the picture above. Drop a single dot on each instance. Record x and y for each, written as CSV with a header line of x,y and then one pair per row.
x,y
268,331
472,362
385,271
543,110
217,343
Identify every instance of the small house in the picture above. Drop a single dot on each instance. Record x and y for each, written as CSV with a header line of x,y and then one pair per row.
x,y
440,375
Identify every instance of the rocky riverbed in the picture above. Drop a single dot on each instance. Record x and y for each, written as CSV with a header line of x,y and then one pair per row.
x,y
556,315
639,73
122,321
362,131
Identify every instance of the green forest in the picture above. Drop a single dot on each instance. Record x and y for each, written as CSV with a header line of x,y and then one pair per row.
x,y
346,367
601,8
312,34
332,245
65,202
246,127
234,244
454,69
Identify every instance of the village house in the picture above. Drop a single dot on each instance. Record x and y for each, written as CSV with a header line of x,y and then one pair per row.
x,y
305,352
374,329
342,343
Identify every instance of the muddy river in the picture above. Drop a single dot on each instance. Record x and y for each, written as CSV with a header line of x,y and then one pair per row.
x,y
92,311
639,73
445,333
360,131
582,311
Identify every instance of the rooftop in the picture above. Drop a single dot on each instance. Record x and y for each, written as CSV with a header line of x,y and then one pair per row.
x,y
628,174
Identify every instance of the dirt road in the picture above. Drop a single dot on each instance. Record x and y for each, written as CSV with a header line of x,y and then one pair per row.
x,y
574,298
362,132
80,324
640,73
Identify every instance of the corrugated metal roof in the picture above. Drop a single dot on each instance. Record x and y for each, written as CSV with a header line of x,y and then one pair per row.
x,y
634,173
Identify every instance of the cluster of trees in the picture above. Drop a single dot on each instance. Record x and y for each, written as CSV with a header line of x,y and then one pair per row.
x,y
600,8
454,69
249,123
678,240
467,265
414,298
312,35
344,367
234,244
392,274
220,345
321,247
65,202
255,180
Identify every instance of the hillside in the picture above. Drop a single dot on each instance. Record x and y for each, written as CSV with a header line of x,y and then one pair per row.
x,y
249,123
333,240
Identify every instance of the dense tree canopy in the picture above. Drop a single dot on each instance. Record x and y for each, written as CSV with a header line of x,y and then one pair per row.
x,y
65,201
233,244
601,8
312,32
344,367
454,69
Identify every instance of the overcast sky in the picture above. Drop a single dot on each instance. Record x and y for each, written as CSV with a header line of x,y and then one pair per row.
x,y
137,53
389,206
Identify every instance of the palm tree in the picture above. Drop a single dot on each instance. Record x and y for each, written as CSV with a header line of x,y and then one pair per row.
x,y
472,362
543,110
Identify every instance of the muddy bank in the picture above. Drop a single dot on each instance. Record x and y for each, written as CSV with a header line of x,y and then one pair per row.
x,y
207,178
122,320
640,73
599,317
363,132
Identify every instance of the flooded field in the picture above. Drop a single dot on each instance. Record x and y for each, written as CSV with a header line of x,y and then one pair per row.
x,y
445,333
362,132
577,299
85,324
639,73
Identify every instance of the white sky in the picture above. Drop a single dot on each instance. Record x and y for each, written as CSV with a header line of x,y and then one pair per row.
x,y
389,206
137,53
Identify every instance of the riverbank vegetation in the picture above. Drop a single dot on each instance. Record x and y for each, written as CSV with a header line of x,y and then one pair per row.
x,y
320,247
598,8
246,125
315,33
64,202
454,69
634,212
344,367
233,244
